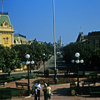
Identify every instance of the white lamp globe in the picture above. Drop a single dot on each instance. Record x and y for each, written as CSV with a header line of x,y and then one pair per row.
x,y
23,62
72,61
77,54
27,62
44,54
32,62
27,56
82,61
77,61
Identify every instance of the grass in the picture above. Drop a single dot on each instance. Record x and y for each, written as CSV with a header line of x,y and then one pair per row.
x,y
15,92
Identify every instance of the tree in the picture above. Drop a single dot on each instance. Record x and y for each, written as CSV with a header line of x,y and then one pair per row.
x,y
22,50
95,59
9,59
86,51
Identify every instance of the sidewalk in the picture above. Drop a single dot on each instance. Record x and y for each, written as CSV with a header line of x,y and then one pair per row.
x,y
60,91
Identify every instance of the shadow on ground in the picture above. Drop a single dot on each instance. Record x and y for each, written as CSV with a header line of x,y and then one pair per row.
x,y
62,92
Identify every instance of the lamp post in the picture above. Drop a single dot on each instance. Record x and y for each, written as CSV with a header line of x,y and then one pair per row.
x,y
28,63
77,62
44,62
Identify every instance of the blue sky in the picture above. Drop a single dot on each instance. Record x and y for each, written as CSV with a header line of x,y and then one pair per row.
x,y
34,18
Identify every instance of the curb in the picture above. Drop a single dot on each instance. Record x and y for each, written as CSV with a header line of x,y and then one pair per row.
x,y
24,96
83,95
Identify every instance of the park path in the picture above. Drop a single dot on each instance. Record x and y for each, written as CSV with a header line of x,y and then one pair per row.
x,y
60,91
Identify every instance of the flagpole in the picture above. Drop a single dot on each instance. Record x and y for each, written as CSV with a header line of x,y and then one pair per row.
x,y
2,6
54,36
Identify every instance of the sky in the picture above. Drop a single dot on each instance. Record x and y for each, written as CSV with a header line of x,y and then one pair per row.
x,y
34,18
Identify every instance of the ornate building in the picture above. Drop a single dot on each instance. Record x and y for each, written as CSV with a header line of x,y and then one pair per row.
x,y
6,30
92,38
20,39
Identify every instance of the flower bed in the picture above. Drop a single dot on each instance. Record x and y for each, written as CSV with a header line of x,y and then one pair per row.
x,y
59,80
24,93
59,71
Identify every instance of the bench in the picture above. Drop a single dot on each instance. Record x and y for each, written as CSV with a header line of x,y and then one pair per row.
x,y
21,84
5,94
88,82
92,75
2,83
38,73
94,91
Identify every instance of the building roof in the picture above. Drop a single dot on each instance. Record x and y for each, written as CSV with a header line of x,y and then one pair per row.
x,y
17,34
4,17
95,33
80,37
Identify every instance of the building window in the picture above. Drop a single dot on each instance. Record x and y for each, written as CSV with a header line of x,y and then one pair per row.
x,y
99,43
6,40
94,42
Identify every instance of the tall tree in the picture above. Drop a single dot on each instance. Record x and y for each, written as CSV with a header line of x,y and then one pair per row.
x,y
9,59
86,51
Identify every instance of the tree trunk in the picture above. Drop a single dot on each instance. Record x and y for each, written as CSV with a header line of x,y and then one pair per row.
x,y
8,73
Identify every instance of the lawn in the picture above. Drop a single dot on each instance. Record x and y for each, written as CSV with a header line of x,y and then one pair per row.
x,y
16,92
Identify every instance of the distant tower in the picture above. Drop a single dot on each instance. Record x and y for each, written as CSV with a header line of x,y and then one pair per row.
x,y
60,42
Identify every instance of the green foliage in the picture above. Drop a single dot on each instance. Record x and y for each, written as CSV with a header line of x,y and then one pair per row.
x,y
15,92
86,51
95,59
8,59
35,50
11,58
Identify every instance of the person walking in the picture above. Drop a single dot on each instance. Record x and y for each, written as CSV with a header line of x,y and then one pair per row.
x,y
45,91
48,92
35,93
38,88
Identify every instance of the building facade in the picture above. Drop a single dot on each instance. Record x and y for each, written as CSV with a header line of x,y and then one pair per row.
x,y
6,30
19,39
92,38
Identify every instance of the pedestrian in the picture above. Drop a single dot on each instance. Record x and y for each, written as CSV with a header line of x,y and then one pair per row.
x,y
38,88
33,89
36,93
48,92
45,91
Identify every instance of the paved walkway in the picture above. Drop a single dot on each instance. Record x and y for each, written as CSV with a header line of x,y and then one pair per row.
x,y
61,91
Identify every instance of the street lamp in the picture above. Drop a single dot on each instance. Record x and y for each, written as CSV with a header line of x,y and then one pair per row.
x,y
77,61
44,62
28,63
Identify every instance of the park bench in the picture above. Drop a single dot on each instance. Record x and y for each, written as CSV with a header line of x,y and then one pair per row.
x,y
88,82
3,76
95,91
5,94
21,84
37,73
2,83
92,75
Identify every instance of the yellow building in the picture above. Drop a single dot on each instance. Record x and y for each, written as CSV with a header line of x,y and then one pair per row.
x,y
6,30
